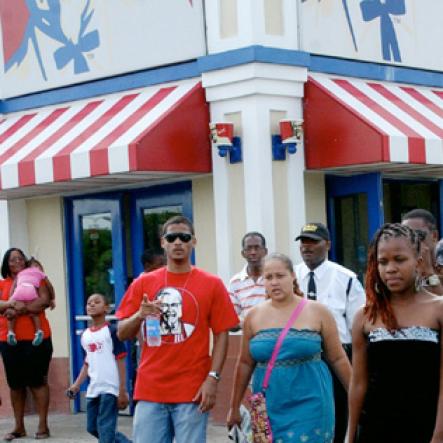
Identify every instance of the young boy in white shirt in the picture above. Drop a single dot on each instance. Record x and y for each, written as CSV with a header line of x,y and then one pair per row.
x,y
105,366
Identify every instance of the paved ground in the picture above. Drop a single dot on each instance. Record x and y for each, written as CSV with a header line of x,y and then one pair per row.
x,y
71,428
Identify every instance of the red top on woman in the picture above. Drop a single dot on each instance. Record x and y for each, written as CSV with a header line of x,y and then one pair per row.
x,y
24,327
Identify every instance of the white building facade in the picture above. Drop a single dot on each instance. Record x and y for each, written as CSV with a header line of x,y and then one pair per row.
x,y
104,132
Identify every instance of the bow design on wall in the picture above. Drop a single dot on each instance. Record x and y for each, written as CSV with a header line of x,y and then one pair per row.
x,y
48,21
384,9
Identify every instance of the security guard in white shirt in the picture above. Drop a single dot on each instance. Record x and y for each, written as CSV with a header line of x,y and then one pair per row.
x,y
336,287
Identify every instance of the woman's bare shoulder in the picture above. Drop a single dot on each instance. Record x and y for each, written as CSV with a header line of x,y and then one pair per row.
x,y
434,302
256,314
318,308
258,310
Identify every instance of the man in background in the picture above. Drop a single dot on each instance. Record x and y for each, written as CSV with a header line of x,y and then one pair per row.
x,y
246,287
424,223
337,288
152,261
439,260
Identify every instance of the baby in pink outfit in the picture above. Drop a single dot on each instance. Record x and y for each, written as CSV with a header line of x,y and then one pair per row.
x,y
27,283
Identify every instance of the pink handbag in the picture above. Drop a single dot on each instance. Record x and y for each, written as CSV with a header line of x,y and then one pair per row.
x,y
261,426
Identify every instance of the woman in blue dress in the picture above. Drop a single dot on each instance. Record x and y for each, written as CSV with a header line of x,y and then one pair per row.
x,y
299,398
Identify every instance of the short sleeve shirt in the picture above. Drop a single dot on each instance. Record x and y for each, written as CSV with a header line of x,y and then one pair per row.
x,y
193,303
246,293
102,348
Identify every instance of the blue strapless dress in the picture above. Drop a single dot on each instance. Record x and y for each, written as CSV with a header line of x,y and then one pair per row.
x,y
299,397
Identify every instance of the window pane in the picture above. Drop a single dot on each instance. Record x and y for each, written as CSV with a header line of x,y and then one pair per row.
x,y
352,232
97,255
400,197
153,220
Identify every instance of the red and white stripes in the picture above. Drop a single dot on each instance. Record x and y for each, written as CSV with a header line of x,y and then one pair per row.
x,y
410,117
82,139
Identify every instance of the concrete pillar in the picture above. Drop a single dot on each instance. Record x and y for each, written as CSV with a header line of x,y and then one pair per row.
x,y
235,24
257,194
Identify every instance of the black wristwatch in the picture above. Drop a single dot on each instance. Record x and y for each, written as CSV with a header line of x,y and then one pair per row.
x,y
214,374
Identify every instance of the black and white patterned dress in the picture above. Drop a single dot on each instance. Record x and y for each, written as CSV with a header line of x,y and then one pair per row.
x,y
403,386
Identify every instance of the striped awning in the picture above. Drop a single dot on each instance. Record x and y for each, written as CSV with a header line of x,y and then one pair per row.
x,y
156,131
354,123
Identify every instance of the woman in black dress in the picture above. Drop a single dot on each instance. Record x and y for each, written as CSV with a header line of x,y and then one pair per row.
x,y
395,389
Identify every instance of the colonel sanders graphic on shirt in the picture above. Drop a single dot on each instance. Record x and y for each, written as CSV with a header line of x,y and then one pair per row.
x,y
175,326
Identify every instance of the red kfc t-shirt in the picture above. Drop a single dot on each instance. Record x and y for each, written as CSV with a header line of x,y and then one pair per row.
x,y
193,303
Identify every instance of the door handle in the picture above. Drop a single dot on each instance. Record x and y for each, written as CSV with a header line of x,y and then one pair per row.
x,y
110,317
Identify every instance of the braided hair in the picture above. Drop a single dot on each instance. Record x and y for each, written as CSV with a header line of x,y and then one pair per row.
x,y
378,296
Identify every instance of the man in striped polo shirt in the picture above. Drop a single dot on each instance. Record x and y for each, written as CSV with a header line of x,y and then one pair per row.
x,y
246,287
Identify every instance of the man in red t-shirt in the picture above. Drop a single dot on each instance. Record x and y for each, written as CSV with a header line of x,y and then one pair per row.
x,y
177,381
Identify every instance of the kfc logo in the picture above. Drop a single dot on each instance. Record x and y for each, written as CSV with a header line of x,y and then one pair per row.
x,y
95,347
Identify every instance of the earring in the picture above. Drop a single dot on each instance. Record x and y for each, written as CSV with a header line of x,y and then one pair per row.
x,y
418,283
376,288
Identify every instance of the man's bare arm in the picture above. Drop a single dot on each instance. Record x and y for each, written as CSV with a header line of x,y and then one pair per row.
x,y
129,327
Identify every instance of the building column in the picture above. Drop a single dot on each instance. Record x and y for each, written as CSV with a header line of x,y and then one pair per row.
x,y
233,24
251,196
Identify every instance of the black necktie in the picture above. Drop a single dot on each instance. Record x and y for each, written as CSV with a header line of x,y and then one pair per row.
x,y
312,290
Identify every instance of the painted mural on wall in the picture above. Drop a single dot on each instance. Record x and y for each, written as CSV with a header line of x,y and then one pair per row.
x,y
48,21
51,43
405,32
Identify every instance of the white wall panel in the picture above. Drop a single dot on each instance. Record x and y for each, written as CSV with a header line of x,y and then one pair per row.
x,y
409,30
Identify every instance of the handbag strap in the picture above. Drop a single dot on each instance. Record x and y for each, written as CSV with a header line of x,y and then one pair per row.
x,y
280,339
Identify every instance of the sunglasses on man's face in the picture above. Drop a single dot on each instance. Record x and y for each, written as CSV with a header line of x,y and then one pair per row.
x,y
182,236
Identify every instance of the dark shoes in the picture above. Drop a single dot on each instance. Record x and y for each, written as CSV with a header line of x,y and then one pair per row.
x,y
42,435
38,435
13,435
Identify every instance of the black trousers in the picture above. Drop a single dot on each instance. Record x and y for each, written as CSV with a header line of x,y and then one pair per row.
x,y
340,402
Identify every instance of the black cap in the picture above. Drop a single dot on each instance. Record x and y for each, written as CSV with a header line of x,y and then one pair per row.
x,y
315,231
439,253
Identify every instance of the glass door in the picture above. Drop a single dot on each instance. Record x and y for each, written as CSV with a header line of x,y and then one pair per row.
x,y
355,212
150,208
107,235
96,262
401,196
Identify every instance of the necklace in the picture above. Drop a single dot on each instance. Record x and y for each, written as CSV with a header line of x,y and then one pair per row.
x,y
187,279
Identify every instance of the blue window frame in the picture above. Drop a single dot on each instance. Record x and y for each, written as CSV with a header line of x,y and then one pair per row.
x,y
355,212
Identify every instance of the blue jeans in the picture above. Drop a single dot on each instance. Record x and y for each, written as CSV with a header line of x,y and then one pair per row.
x,y
102,413
161,422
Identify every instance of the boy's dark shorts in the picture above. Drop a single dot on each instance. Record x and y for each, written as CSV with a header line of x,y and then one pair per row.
x,y
26,365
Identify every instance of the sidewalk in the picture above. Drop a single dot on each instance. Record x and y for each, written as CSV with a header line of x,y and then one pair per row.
x,y
72,428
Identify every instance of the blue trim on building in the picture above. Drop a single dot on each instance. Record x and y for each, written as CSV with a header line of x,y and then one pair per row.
x,y
375,71
223,60
253,54
101,87
73,362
